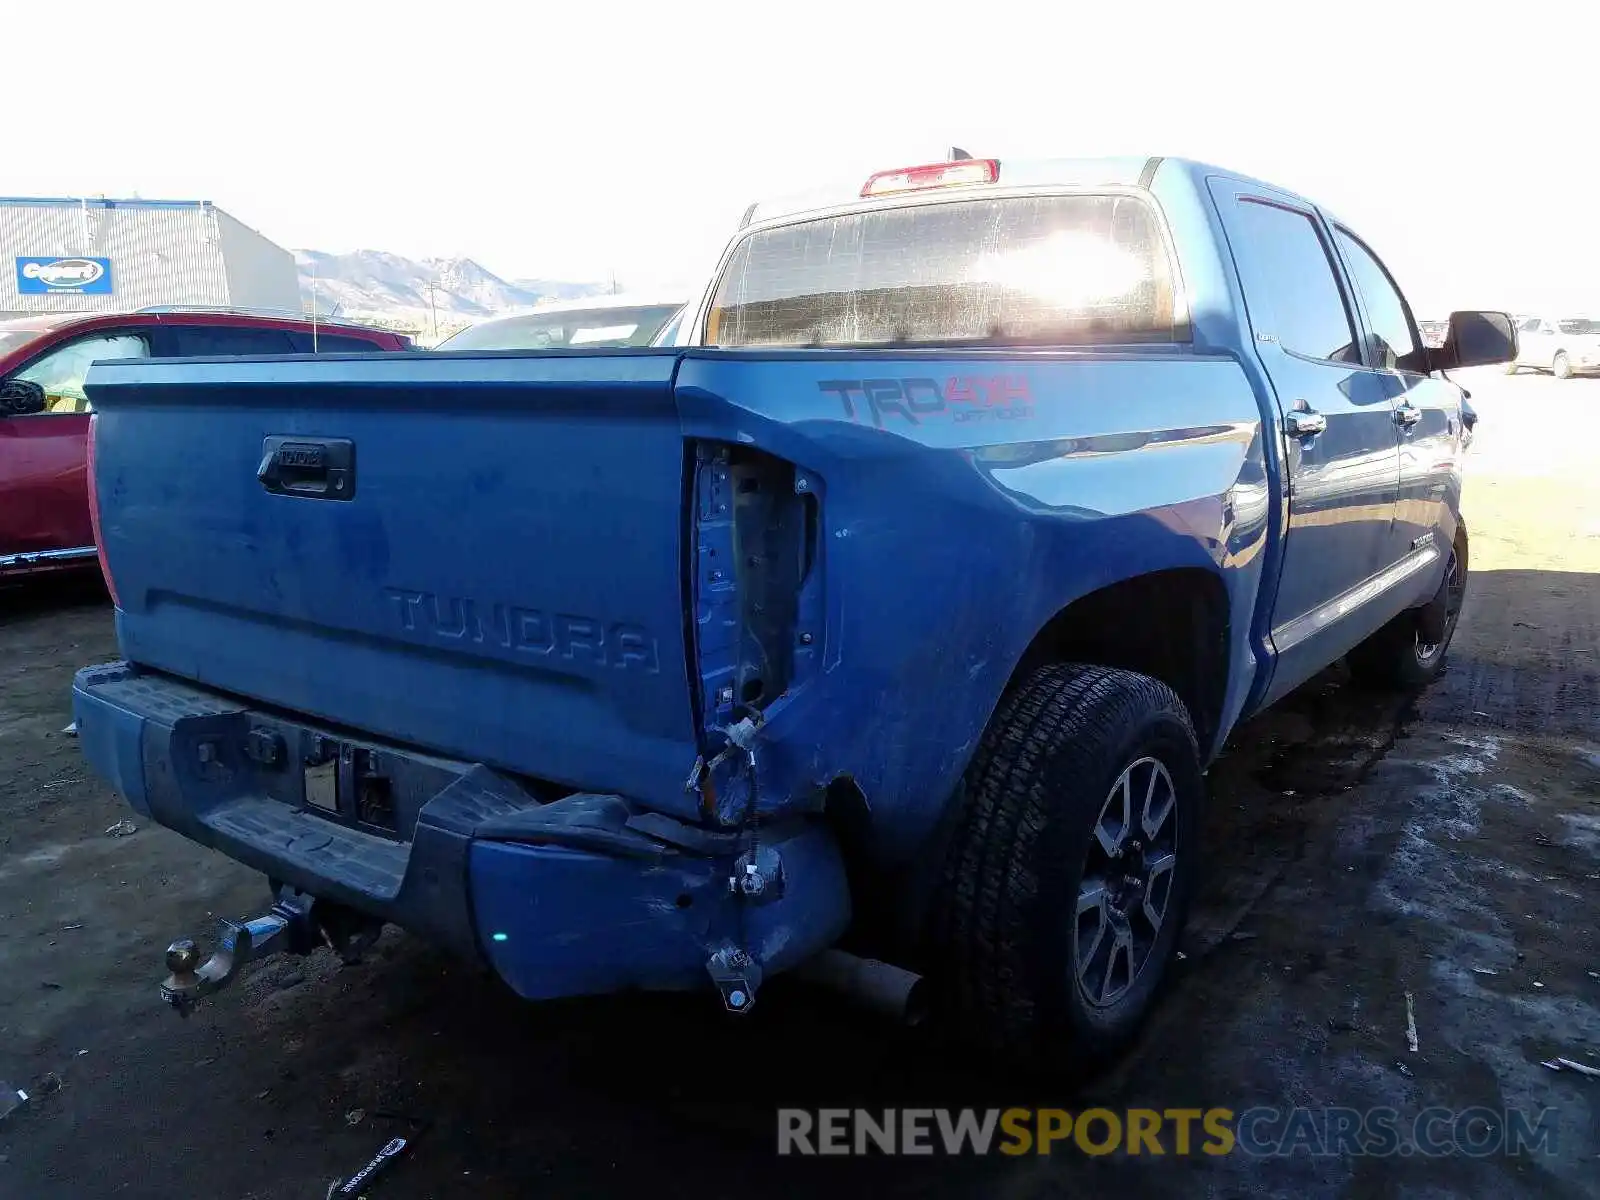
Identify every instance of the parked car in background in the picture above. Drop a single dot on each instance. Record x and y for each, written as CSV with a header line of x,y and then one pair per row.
x,y
44,415
1433,333
592,323
1564,346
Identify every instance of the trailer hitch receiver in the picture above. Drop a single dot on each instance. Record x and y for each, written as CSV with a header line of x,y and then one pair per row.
x,y
286,927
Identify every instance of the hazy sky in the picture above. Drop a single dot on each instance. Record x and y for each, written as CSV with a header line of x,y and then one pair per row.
x,y
567,140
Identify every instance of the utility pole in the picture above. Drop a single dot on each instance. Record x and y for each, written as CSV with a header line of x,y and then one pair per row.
x,y
433,309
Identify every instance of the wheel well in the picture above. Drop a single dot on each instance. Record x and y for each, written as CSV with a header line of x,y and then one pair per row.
x,y
1171,625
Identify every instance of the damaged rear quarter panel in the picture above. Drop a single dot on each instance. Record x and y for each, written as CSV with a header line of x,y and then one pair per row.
x,y
949,535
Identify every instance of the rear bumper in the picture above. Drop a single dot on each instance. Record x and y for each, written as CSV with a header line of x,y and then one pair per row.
x,y
584,895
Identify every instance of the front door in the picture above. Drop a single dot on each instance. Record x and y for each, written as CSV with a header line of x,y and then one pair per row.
x,y
1338,435
44,500
1427,416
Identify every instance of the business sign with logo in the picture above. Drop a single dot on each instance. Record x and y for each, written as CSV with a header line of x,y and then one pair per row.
x,y
83,276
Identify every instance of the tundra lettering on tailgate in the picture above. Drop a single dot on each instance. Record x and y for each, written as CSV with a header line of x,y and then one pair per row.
x,y
581,640
959,397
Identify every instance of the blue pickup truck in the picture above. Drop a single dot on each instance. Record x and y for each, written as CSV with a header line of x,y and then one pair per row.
x,y
894,612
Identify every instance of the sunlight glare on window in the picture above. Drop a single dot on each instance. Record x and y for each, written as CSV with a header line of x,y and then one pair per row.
x,y
1068,268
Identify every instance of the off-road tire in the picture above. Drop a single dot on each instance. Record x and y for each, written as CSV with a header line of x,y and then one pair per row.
x,y
1393,659
1005,924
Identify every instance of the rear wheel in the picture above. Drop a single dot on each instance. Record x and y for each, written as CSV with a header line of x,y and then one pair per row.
x,y
1404,655
1561,368
1068,881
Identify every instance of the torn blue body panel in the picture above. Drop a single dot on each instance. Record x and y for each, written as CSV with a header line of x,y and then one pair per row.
x,y
574,896
560,922
945,541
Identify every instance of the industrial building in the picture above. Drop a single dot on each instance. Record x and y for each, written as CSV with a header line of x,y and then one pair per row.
x,y
99,255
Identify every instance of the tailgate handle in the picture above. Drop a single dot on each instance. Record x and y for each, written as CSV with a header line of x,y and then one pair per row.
x,y
313,467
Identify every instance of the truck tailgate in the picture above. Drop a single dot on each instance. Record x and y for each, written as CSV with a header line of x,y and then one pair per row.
x,y
479,555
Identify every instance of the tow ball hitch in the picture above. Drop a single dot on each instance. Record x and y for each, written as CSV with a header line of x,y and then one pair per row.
x,y
295,924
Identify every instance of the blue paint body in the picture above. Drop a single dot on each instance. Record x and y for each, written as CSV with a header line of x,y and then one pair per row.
x,y
543,578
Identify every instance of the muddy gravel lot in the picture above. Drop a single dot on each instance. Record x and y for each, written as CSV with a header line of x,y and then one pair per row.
x,y
1363,851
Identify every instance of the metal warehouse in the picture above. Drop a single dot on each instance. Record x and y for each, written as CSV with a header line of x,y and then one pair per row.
x,y
98,255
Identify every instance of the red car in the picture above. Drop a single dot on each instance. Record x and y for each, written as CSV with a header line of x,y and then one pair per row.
x,y
44,414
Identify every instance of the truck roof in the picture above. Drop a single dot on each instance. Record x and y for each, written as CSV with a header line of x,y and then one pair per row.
x,y
180,315
25,336
38,324
593,303
1120,171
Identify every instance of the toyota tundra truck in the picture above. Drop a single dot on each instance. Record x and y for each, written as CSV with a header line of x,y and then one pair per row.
x,y
889,617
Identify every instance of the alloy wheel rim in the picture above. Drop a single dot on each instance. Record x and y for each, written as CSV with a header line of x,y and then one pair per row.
x,y
1455,594
1125,897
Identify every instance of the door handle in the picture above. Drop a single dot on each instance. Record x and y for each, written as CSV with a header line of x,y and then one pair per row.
x,y
316,468
1304,422
1407,414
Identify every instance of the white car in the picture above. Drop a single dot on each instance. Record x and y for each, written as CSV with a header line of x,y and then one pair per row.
x,y
594,322
1564,346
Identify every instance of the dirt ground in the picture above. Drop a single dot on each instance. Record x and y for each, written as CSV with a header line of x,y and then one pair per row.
x,y
1361,849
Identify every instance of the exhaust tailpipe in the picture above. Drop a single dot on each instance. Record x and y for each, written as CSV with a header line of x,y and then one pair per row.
x,y
879,986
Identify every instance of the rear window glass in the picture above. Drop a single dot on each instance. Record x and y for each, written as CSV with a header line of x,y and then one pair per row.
x,y
1030,270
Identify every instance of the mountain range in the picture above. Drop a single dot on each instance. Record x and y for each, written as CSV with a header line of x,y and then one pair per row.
x,y
377,285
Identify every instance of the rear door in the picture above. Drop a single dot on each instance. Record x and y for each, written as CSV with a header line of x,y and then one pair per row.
x,y
1339,441
1545,344
1531,345
44,503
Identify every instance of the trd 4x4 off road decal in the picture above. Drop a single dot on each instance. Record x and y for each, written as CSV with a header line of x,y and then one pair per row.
x,y
958,398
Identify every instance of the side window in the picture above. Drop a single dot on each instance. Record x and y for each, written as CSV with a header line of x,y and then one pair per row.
x,y
1395,343
333,343
1531,325
669,332
198,341
1290,286
61,372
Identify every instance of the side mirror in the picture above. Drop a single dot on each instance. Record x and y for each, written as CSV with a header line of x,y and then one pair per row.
x,y
1477,339
22,398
